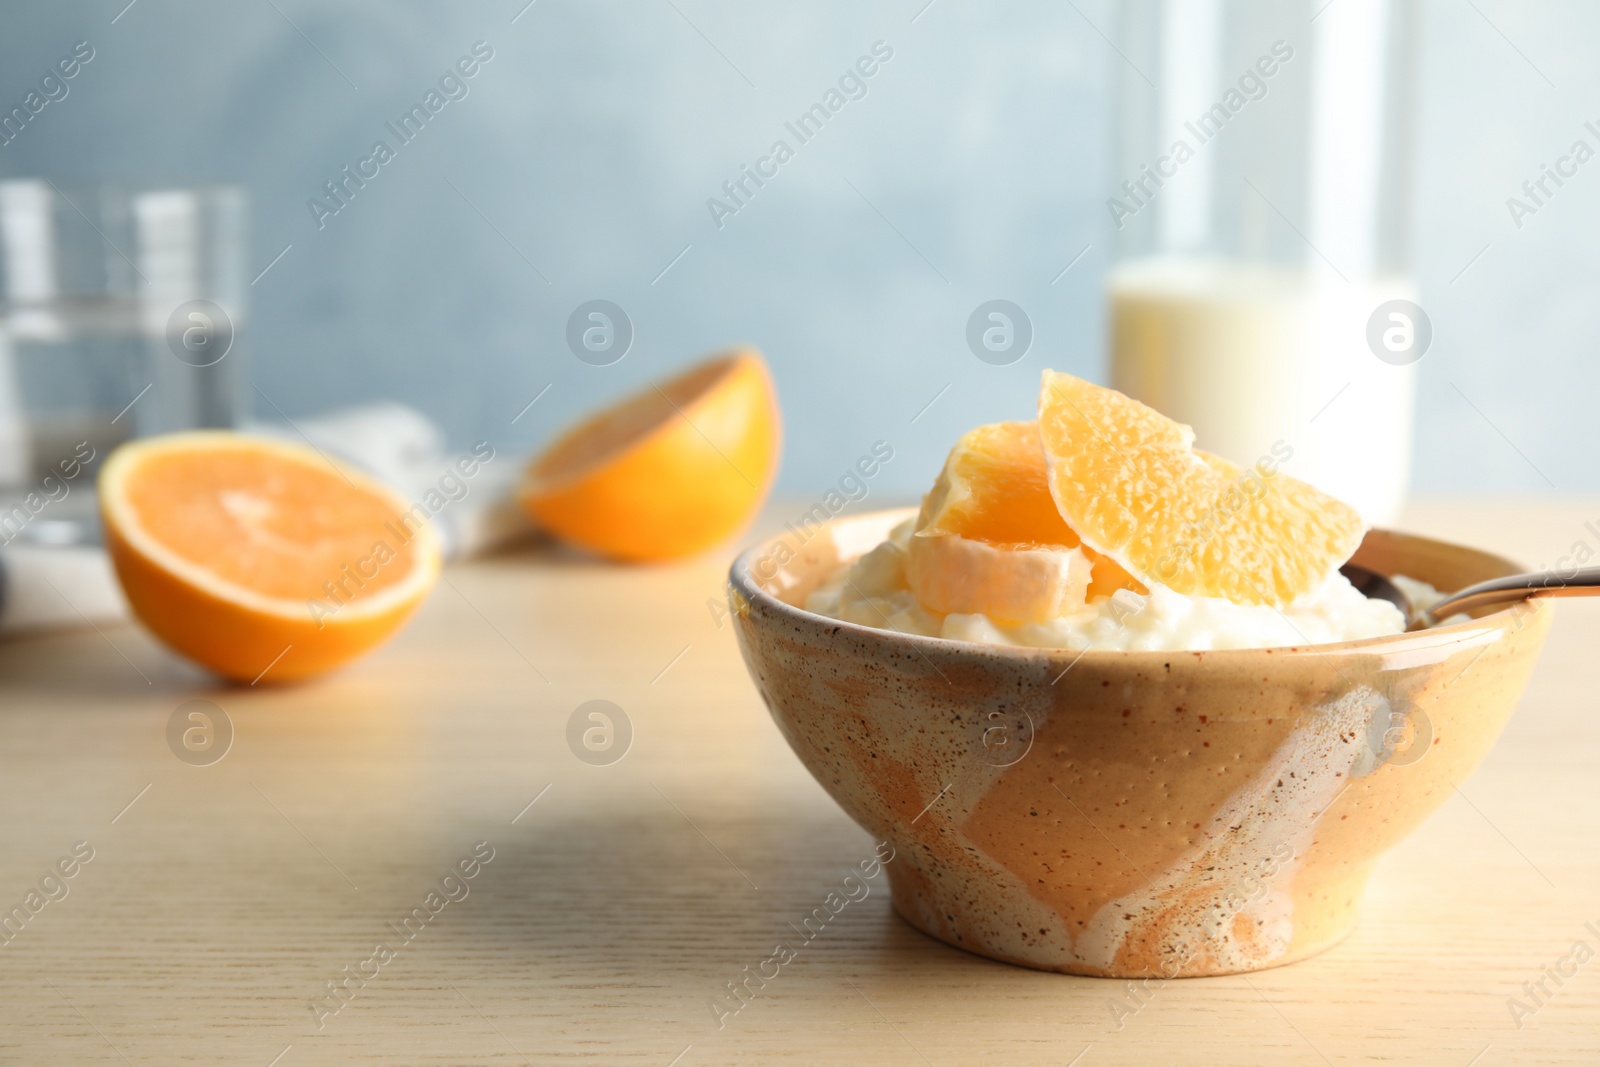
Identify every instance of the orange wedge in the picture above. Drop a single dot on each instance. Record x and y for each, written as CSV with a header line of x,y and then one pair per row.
x,y
668,472
257,558
989,539
1130,482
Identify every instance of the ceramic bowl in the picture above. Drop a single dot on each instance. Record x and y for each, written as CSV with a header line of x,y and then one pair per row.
x,y
1131,814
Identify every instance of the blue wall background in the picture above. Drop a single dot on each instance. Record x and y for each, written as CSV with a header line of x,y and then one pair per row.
x,y
974,168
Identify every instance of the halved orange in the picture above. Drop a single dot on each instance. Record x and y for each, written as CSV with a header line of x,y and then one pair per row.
x,y
990,540
258,558
668,472
1130,482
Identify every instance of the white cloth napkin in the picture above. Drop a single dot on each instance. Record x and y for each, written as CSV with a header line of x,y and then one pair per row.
x,y
46,587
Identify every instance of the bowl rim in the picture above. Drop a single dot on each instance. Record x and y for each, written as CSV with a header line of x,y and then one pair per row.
x,y
1480,630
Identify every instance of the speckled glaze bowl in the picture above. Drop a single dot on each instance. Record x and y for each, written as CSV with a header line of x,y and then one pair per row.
x,y
1131,814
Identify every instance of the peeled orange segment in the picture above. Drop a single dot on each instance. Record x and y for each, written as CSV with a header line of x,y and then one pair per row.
x,y
990,541
1129,481
1010,584
257,558
994,487
668,472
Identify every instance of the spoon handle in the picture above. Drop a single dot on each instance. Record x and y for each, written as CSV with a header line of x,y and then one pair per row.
x,y
1586,582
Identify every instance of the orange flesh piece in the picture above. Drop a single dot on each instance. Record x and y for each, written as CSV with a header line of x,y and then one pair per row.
x,y
269,524
1127,479
995,488
1007,499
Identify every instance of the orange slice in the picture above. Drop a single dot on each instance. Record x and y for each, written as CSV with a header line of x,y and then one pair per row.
x,y
990,541
668,472
1129,481
258,558
952,574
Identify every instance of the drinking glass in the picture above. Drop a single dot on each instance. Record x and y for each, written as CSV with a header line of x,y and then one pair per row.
x,y
119,315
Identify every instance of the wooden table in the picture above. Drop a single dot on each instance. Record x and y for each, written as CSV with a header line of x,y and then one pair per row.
x,y
222,900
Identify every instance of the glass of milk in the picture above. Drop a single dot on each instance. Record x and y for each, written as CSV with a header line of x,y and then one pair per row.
x,y
1261,291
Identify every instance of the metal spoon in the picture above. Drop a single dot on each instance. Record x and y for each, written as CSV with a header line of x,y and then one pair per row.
x,y
1512,587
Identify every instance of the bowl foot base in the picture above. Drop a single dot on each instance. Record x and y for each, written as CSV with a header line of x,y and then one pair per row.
x,y
991,936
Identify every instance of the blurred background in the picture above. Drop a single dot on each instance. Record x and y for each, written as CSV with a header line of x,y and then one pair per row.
x,y
577,162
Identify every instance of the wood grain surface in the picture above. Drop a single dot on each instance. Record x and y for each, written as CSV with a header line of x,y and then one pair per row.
x,y
224,903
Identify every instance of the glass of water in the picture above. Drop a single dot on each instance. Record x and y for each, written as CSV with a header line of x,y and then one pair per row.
x,y
119,316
